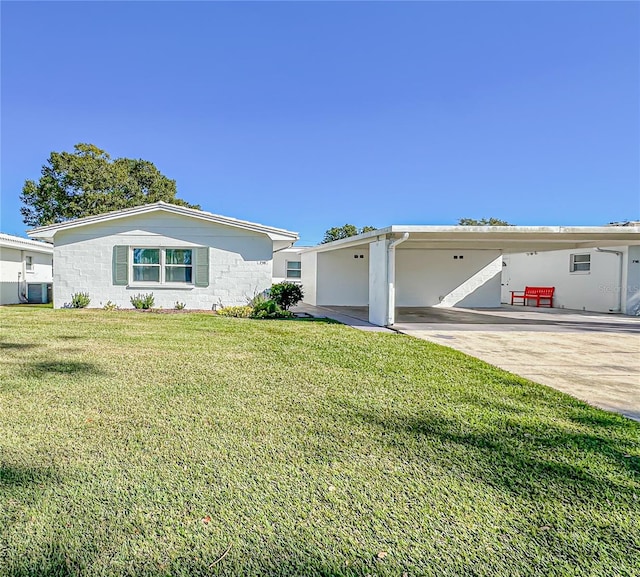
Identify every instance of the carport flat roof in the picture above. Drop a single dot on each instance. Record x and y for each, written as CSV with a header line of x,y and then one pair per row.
x,y
508,239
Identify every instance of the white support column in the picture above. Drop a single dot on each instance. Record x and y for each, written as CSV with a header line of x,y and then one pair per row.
x,y
378,288
391,279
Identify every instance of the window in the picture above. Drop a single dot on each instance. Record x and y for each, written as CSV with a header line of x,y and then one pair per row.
x,y
580,263
162,265
28,262
294,269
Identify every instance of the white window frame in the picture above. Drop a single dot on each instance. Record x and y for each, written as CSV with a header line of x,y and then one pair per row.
x,y
28,263
299,269
573,263
162,264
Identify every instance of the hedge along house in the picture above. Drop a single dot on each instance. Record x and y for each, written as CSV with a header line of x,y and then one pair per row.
x,y
441,266
179,254
25,270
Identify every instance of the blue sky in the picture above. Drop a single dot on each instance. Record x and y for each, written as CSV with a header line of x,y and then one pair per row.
x,y
311,115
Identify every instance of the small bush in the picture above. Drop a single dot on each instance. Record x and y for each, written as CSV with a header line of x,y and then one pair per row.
x,y
269,309
80,300
242,312
110,306
286,294
145,302
179,306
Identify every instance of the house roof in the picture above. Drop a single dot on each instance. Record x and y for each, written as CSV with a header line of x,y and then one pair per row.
x,y
48,232
509,239
19,243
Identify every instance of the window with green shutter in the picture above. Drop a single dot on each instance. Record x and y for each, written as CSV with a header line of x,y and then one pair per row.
x,y
202,266
120,265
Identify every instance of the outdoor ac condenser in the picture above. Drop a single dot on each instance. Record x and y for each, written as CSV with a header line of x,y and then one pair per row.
x,y
37,293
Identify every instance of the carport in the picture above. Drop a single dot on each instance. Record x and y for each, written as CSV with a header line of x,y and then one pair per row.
x,y
398,268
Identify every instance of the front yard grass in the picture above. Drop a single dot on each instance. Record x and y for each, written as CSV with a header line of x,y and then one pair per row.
x,y
193,445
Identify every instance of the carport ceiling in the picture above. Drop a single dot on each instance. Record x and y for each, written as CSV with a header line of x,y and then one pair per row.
x,y
511,239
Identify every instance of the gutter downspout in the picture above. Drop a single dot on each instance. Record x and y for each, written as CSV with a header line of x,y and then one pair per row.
x,y
391,278
285,247
618,309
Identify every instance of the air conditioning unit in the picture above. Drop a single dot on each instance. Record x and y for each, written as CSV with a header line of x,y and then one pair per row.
x,y
38,293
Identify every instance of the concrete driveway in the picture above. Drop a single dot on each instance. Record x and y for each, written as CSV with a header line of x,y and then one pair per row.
x,y
594,357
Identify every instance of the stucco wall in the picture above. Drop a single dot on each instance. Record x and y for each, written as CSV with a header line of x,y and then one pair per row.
x,y
309,276
595,290
12,263
279,267
631,280
343,279
239,261
425,277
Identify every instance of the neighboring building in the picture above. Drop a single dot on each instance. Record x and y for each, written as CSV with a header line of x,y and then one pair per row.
x,y
287,264
446,266
178,254
25,270
589,279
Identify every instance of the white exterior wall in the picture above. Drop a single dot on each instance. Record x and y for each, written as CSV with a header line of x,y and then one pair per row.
x,y
378,282
239,261
596,290
280,259
428,277
342,279
12,264
309,277
631,280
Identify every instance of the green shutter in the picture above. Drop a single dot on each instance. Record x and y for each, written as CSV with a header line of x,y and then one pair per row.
x,y
120,265
202,266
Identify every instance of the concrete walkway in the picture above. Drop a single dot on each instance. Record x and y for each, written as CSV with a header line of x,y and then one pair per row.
x,y
342,317
594,357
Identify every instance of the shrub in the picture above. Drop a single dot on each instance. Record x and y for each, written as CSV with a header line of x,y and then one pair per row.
x,y
140,301
179,306
286,294
80,300
110,306
242,312
269,309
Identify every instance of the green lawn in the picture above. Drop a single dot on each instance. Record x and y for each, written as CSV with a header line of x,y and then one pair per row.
x,y
148,444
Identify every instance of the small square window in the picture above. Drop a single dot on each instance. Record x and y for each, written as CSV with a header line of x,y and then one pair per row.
x,y
580,263
294,269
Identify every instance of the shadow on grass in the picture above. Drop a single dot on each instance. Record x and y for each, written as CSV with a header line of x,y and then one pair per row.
x,y
17,346
64,368
525,457
21,476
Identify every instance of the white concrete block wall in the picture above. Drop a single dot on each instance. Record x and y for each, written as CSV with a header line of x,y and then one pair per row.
x,y
239,261
343,277
596,290
425,277
13,263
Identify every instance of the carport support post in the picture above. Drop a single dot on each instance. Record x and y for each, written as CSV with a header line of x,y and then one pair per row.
x,y
378,288
382,280
391,279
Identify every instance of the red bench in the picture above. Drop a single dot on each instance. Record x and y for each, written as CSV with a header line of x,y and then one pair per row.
x,y
536,293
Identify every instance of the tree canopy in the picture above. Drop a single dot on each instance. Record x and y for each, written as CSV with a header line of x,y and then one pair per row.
x,y
483,222
87,182
340,232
